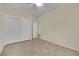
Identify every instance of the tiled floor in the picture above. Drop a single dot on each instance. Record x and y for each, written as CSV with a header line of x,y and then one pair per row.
x,y
37,47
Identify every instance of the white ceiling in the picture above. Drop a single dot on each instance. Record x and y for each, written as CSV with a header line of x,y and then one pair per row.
x,y
32,8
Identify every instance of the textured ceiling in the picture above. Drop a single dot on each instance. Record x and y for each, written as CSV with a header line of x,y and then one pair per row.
x,y
32,8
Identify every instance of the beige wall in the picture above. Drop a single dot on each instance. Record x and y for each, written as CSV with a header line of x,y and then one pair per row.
x,y
11,12
61,26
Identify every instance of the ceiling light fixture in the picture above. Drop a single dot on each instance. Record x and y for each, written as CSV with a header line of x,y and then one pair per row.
x,y
38,4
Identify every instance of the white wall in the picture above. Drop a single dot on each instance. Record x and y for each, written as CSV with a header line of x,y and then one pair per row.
x,y
61,26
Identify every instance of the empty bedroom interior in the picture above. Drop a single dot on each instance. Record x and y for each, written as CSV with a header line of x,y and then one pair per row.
x,y
48,29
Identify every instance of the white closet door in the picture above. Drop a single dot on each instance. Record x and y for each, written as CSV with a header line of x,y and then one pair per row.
x,y
26,29
17,29
12,30
35,29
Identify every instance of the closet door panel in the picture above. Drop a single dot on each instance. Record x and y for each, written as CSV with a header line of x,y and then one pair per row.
x,y
26,29
12,30
35,28
17,29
